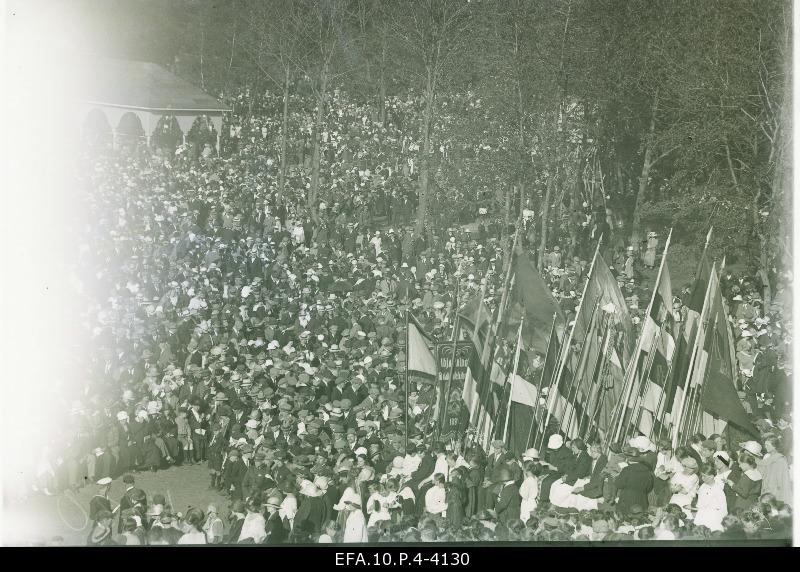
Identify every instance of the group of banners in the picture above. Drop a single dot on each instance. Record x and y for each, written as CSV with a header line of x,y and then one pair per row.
x,y
531,374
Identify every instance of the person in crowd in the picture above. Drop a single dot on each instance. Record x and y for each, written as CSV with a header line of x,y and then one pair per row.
x,y
194,527
712,505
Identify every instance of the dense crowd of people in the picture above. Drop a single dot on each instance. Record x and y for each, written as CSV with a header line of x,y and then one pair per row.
x,y
237,327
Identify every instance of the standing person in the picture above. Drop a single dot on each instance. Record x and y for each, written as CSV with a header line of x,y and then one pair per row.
x,y
213,526
194,524
233,474
128,500
684,484
508,501
236,519
774,469
311,513
529,490
275,528
748,485
349,505
634,482
712,506
100,503
254,525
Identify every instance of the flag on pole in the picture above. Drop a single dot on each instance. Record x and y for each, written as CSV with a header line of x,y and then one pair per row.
x,y
421,360
531,298
647,372
592,366
719,398
685,341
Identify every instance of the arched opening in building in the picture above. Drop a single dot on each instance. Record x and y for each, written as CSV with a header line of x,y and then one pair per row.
x,y
96,130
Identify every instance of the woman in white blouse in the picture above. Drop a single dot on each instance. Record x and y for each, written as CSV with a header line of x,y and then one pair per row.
x,y
712,505
349,507
529,491
378,504
684,484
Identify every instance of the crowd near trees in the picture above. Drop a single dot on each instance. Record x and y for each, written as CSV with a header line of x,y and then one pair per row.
x,y
670,114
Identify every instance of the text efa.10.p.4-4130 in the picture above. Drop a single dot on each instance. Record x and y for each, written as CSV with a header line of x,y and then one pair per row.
x,y
402,559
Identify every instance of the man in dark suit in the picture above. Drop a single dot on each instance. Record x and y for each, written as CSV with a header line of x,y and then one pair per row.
x,y
236,521
594,488
634,482
275,527
130,498
233,474
508,501
498,459
100,502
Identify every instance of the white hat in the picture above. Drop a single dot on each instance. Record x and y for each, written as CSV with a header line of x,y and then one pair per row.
x,y
641,443
723,456
360,451
530,454
752,447
555,442
122,416
252,424
105,481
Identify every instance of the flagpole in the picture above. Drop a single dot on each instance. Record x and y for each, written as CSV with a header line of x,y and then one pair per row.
x,y
698,414
534,413
408,347
489,356
600,367
630,376
694,402
476,337
638,406
513,378
572,395
689,387
564,354
658,414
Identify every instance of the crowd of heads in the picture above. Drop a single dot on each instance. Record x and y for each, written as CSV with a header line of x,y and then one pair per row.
x,y
261,332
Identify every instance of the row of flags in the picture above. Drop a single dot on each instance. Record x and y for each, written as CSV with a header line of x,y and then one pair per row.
x,y
593,376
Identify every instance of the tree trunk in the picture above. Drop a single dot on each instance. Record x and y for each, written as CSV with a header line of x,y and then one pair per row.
x,y
647,164
424,165
284,133
545,214
316,152
382,94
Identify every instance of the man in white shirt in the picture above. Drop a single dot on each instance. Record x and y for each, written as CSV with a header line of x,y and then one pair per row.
x,y
436,497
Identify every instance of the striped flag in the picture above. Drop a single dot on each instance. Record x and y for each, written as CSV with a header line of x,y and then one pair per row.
x,y
647,373
590,376
686,341
481,391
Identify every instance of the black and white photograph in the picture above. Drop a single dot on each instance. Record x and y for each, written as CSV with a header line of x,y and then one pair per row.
x,y
375,273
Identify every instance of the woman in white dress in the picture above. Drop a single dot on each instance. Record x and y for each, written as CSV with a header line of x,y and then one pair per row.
x,y
349,505
529,490
254,527
712,505
684,485
378,504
